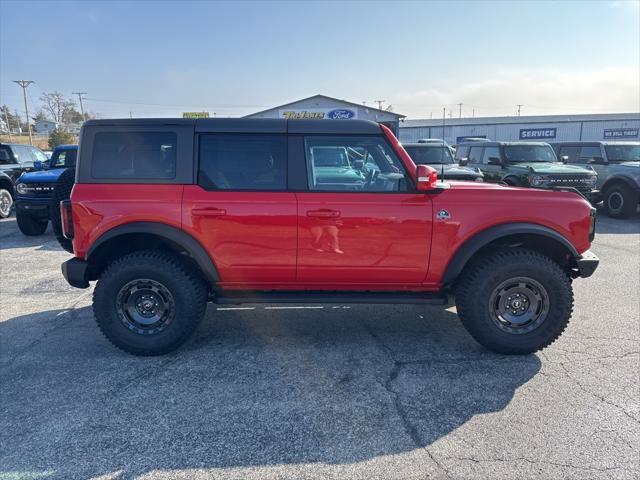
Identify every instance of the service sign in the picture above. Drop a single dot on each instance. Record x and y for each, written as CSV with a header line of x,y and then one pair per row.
x,y
537,133
318,114
613,133
195,114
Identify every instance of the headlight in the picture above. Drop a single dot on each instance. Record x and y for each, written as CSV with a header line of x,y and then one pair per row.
x,y
21,188
537,180
592,180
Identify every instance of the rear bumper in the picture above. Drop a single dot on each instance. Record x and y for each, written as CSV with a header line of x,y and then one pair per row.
x,y
74,272
587,264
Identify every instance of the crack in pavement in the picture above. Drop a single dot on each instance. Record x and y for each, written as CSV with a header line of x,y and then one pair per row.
x,y
591,468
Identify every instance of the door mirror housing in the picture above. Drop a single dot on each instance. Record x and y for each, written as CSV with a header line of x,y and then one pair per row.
x,y
597,161
564,158
495,161
38,165
426,177
464,161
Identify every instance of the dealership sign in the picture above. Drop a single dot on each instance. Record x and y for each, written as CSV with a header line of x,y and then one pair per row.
x,y
537,133
195,114
610,133
319,114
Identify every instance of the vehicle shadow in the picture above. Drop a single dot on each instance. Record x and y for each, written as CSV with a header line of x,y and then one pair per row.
x,y
605,224
11,237
259,387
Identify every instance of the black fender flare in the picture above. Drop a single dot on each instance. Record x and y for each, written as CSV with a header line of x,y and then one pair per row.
x,y
483,238
7,183
620,179
162,230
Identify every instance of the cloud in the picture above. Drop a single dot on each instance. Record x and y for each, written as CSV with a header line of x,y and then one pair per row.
x,y
614,89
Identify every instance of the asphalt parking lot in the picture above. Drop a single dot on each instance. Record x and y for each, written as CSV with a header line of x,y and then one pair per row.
x,y
317,392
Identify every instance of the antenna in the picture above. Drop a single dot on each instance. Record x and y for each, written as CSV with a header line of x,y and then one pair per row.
x,y
444,115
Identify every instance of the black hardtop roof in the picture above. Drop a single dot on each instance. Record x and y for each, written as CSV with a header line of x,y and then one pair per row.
x,y
498,144
248,125
427,145
596,142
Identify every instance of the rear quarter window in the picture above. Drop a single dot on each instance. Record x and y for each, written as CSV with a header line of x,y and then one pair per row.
x,y
134,155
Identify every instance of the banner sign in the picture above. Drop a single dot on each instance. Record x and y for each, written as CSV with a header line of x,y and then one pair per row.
x,y
319,113
537,133
195,114
612,133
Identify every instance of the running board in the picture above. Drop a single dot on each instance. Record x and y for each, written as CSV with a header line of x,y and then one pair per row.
x,y
428,298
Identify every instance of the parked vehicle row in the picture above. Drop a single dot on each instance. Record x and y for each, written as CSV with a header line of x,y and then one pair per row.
x,y
15,159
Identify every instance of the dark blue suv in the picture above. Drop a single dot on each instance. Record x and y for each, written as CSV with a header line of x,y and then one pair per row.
x,y
35,189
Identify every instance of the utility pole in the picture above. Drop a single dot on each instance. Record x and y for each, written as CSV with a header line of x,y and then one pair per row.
x,y
460,111
519,107
379,102
80,94
6,117
24,84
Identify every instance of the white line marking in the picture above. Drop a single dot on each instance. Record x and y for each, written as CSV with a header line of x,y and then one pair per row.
x,y
236,308
290,308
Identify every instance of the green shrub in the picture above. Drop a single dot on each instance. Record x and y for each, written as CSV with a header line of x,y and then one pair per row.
x,y
60,137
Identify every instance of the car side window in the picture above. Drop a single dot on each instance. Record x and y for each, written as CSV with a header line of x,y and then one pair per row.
x,y
353,164
588,153
134,155
38,155
64,158
243,162
570,152
5,155
22,154
475,155
462,151
490,152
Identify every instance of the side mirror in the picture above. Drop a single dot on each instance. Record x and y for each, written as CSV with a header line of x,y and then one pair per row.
x,y
427,178
597,160
464,161
38,165
495,161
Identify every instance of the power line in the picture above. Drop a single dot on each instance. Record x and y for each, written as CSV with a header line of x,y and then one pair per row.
x,y
24,84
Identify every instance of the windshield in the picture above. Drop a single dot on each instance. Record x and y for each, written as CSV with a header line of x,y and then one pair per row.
x,y
623,153
434,155
529,153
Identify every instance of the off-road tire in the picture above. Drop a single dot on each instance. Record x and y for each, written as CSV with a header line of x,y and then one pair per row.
x,y
620,192
484,275
30,225
7,199
62,191
513,182
188,292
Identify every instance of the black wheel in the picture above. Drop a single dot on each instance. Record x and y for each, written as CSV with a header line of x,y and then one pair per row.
x,y
149,302
514,301
513,182
29,225
62,191
6,202
620,201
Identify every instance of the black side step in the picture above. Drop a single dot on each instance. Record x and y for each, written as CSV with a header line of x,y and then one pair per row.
x,y
429,298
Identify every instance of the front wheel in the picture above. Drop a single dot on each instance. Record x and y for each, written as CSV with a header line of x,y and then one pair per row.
x,y
30,225
149,302
514,301
6,202
620,201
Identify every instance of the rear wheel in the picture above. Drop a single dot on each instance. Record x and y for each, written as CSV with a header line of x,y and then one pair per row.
x,y
30,225
149,302
620,201
62,191
514,301
6,202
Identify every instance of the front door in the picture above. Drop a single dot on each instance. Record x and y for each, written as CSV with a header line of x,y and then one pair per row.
x,y
360,225
240,209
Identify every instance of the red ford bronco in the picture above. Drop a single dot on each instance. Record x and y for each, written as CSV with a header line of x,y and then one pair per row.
x,y
168,214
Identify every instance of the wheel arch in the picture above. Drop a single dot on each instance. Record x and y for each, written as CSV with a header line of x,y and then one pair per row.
x,y
149,235
620,179
537,237
7,184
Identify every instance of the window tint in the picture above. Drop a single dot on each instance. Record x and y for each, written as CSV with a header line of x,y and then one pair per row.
x,y
431,155
352,163
243,162
587,153
462,152
64,159
475,154
490,152
134,155
571,152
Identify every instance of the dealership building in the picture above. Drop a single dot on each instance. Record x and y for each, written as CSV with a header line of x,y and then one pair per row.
x,y
323,107
545,128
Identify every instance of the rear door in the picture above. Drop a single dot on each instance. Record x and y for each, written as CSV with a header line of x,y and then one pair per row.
x,y
240,209
360,225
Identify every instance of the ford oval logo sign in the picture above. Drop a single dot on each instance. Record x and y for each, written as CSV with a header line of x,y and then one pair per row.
x,y
341,114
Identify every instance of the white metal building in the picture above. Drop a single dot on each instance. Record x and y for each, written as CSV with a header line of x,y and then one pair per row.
x,y
594,127
323,107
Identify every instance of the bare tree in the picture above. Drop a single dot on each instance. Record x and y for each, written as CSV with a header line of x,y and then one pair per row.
x,y
56,105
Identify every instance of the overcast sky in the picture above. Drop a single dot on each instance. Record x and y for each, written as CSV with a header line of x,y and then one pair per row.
x,y
163,58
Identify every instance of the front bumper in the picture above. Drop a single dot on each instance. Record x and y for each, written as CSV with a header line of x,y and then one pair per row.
x,y
74,272
587,263
36,207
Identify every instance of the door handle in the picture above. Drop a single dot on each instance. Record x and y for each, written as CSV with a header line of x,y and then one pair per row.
x,y
324,213
208,212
